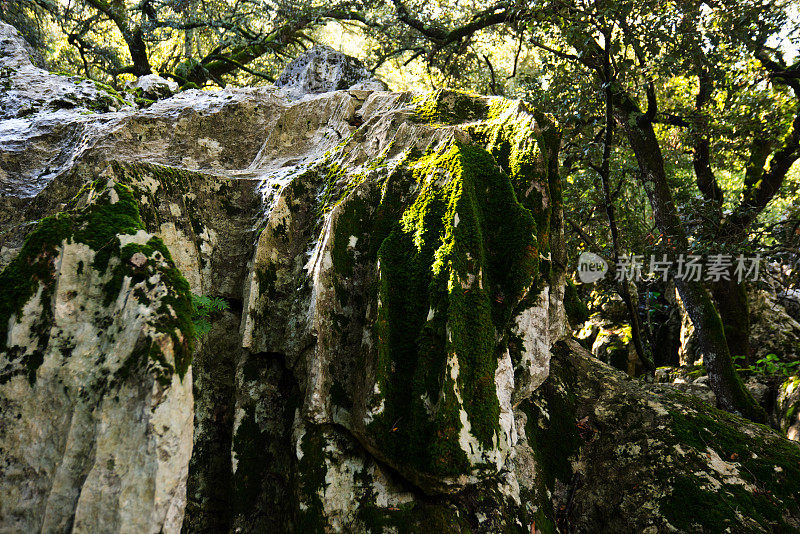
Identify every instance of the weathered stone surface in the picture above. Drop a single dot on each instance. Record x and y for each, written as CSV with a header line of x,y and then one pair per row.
x,y
95,384
322,69
393,268
787,408
154,87
773,330
45,119
308,188
650,459
355,345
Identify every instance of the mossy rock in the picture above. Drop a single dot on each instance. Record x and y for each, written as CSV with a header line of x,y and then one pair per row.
x,y
653,458
422,258
102,217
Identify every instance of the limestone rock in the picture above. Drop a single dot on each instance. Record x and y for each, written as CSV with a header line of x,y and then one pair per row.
x,y
773,330
95,384
393,268
154,87
314,204
322,69
787,408
650,459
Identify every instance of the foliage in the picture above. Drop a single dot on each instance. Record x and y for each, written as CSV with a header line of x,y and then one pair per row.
x,y
194,42
206,309
770,364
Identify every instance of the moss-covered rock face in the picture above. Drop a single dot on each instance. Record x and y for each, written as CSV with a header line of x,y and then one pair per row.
x,y
95,325
430,256
653,459
393,268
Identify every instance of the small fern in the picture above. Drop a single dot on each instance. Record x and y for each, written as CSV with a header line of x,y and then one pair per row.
x,y
205,310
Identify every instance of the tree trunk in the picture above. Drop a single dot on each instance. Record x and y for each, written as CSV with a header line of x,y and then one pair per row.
x,y
605,177
731,299
725,382
138,51
118,14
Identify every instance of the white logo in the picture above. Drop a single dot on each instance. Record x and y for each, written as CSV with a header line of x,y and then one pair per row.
x,y
591,267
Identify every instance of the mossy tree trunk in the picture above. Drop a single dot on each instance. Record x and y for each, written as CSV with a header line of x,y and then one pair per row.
x,y
731,299
725,382
729,295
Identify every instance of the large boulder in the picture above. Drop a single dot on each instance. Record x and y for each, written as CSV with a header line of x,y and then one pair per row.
x,y
393,269
322,69
639,458
787,408
95,384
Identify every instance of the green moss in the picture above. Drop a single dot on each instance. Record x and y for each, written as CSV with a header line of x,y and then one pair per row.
x,y
102,223
523,145
449,107
177,183
311,470
772,467
467,251
113,93
350,223
697,371
418,517
33,267
176,310
111,212
576,310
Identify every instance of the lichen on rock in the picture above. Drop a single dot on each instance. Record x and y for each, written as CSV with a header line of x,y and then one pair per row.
x,y
391,358
96,337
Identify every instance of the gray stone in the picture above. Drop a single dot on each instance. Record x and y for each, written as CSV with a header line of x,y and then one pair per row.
x,y
652,459
322,69
787,408
154,87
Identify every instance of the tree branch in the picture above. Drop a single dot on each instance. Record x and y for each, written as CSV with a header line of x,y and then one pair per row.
x,y
701,158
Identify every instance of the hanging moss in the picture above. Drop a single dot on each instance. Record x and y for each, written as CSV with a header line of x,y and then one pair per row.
x,y
33,266
522,144
464,250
